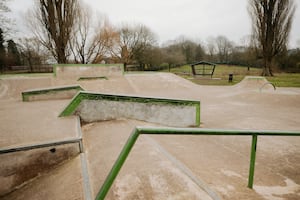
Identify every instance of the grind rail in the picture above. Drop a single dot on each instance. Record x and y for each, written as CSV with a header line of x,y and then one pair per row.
x,y
186,131
42,145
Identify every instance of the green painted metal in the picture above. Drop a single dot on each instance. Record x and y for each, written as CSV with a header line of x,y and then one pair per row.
x,y
185,131
71,108
118,164
252,161
198,106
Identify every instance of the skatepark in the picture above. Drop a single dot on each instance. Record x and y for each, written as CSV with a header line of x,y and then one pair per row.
x,y
61,134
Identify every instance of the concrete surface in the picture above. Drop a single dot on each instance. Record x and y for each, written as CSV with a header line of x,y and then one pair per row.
x,y
160,167
25,123
52,93
61,182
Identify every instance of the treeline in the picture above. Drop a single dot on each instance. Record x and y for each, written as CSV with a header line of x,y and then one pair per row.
x,y
71,33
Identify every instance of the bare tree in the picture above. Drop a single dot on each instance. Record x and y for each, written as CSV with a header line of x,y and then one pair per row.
x,y
211,47
32,52
13,54
53,22
224,47
132,41
173,55
2,52
88,43
271,22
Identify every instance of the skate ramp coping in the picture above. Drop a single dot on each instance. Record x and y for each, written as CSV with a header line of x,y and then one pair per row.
x,y
51,93
256,83
93,107
77,71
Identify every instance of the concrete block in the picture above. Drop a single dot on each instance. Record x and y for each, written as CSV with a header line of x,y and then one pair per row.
x,y
93,107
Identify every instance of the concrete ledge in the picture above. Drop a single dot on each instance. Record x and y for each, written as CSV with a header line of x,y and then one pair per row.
x,y
100,107
75,71
63,92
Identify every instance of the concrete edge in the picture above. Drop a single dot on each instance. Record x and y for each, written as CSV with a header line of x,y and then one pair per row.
x,y
85,95
85,176
40,145
26,94
86,65
200,183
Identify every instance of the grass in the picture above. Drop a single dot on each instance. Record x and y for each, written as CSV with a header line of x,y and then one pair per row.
x,y
286,79
222,72
220,76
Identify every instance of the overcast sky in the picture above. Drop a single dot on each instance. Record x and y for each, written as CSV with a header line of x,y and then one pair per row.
x,y
169,19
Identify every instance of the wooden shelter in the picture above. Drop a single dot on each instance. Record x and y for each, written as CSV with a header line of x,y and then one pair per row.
x,y
203,68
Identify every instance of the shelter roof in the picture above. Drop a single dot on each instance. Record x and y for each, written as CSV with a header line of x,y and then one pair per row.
x,y
203,63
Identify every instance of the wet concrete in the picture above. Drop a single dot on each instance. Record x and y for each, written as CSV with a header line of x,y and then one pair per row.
x,y
17,168
220,162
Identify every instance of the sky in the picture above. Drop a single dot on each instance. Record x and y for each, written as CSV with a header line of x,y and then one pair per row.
x,y
169,19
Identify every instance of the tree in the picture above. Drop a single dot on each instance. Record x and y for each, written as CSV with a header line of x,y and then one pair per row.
x,y
131,43
88,43
13,54
173,55
2,51
224,47
154,58
54,26
188,49
199,53
32,52
211,47
271,22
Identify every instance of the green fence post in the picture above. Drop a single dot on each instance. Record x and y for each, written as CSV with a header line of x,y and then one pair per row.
x,y
252,161
117,166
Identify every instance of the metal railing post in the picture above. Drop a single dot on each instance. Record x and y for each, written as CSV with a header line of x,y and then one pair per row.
x,y
186,131
117,166
252,161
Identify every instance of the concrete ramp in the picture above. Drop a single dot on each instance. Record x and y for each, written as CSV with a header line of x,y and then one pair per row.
x,y
258,83
12,87
93,107
52,93
148,173
60,183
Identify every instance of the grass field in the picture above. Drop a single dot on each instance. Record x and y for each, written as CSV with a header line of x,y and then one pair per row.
x,y
220,76
222,72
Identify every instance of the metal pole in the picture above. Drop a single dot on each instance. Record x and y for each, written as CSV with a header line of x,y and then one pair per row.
x,y
117,166
185,131
252,161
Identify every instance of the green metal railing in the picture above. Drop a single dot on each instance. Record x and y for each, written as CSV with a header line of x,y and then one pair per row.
x,y
186,131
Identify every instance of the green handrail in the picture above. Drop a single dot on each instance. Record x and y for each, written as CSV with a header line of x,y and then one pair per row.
x,y
186,131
